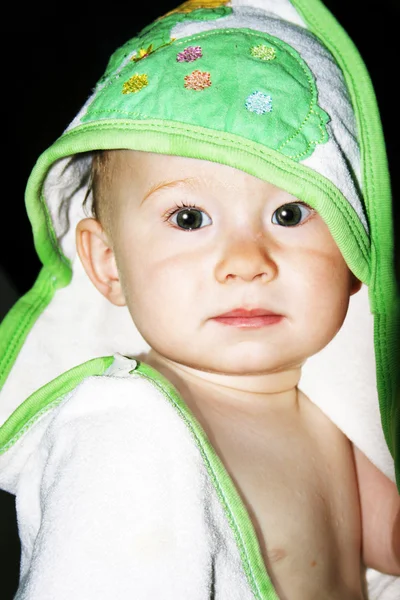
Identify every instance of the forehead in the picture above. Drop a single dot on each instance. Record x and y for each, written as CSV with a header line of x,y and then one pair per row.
x,y
148,170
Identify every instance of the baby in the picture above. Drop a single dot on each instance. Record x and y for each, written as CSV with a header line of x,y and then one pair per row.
x,y
234,283
162,442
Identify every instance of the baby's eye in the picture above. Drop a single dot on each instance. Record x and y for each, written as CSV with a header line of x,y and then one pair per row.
x,y
190,218
290,215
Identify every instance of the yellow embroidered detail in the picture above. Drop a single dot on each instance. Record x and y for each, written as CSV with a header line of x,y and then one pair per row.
x,y
263,52
135,84
197,81
190,5
144,52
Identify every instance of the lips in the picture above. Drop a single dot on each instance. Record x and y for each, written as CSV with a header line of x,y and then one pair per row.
x,y
242,312
253,318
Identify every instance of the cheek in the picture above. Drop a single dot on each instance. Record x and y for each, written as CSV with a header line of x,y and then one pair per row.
x,y
161,286
323,289
165,301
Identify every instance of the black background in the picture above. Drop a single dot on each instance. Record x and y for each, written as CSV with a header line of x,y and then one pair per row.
x,y
52,57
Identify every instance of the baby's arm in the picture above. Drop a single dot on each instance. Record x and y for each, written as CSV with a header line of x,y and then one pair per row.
x,y
380,514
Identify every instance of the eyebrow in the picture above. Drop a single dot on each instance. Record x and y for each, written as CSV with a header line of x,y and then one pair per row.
x,y
157,187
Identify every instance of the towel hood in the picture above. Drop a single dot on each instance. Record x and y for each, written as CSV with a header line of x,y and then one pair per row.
x,y
275,88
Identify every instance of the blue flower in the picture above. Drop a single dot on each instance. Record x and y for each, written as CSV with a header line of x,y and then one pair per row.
x,y
259,103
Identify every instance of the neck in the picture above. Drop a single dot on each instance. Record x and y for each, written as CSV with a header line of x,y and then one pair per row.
x,y
257,393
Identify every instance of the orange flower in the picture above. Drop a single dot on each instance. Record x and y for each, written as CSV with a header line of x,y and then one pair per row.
x,y
197,81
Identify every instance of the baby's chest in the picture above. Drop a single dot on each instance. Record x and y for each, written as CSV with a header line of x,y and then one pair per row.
x,y
301,495
294,481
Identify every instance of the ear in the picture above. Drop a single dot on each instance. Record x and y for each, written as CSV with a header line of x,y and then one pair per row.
x,y
98,260
355,285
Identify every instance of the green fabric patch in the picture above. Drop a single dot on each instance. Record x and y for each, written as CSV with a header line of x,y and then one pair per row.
x,y
229,87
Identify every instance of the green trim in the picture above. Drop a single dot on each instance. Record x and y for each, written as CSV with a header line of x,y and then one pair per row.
x,y
46,398
45,239
198,142
386,335
19,320
234,508
384,299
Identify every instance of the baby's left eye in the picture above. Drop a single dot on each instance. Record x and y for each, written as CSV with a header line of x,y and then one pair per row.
x,y
190,218
290,215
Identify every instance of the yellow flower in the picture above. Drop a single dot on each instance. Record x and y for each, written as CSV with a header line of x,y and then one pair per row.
x,y
263,52
135,84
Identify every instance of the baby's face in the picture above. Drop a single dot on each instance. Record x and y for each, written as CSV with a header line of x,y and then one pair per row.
x,y
194,240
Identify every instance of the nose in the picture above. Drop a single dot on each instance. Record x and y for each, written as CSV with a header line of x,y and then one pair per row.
x,y
246,260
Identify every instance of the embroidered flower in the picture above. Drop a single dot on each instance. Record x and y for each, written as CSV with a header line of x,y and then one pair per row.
x,y
259,103
135,84
263,52
197,80
189,54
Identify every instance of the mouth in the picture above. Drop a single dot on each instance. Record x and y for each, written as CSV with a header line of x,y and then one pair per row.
x,y
254,318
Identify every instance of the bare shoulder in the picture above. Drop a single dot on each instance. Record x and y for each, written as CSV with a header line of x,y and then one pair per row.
x,y
380,511
315,418
378,496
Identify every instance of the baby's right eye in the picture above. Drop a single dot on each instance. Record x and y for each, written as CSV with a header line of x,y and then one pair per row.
x,y
189,218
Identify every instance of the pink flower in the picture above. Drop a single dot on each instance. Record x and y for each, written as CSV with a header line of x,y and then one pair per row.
x,y
189,54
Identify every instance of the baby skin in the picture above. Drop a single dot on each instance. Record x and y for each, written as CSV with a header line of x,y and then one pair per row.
x,y
234,283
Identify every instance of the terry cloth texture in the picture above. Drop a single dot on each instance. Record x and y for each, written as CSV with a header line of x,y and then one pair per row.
x,y
160,484
274,88
166,535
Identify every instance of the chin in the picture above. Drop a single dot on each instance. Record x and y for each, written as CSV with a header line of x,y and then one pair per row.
x,y
242,365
